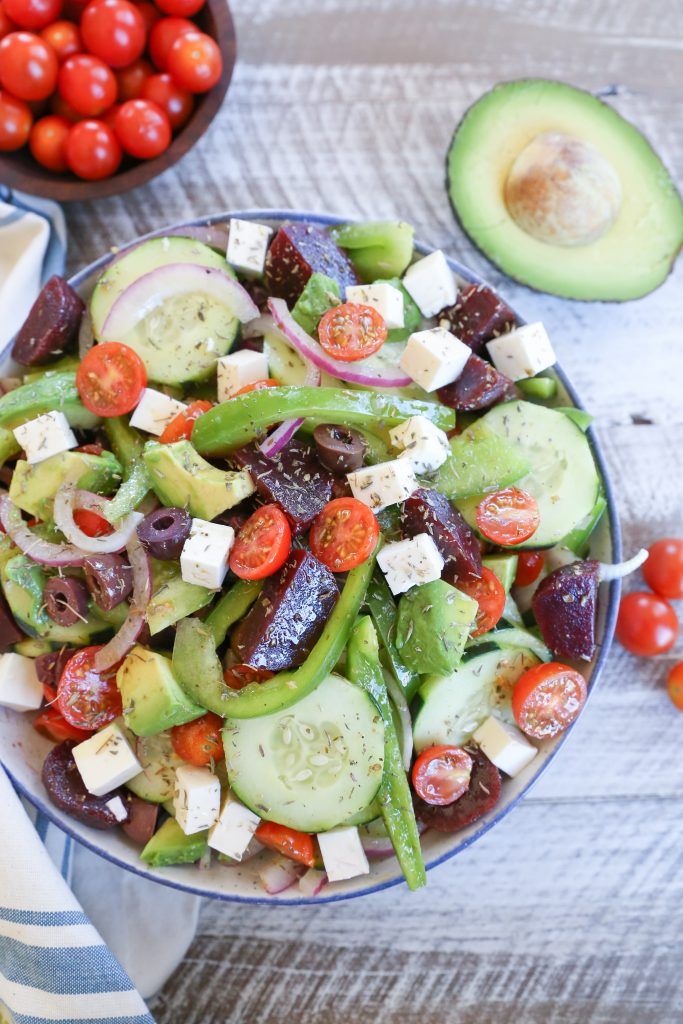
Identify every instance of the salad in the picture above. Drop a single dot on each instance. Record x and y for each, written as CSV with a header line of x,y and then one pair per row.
x,y
294,553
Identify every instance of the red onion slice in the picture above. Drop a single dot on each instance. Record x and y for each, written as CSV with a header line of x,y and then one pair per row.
x,y
276,441
401,705
279,874
312,882
68,499
263,324
609,572
120,644
361,372
42,551
376,842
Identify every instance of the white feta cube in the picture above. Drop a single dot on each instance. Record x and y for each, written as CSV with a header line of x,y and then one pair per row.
x,y
196,799
343,854
434,358
431,284
385,484
387,300
44,436
523,352
234,829
238,369
117,808
20,688
106,760
205,554
505,745
423,443
154,412
247,246
408,563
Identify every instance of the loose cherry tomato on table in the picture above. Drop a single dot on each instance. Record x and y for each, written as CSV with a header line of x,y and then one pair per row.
x,y
163,35
180,8
199,742
647,624
344,534
351,331
92,524
111,378
87,698
51,724
508,517
28,66
177,103
258,385
6,23
195,61
33,14
131,79
114,30
64,38
529,566
663,570
547,699
15,123
87,84
181,426
442,774
48,142
93,152
239,676
674,685
297,846
489,593
143,129
262,545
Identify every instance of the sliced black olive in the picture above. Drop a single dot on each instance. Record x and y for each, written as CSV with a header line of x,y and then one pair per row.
x,y
341,449
50,666
109,580
163,532
66,600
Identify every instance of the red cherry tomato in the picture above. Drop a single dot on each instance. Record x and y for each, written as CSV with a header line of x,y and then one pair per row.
x,y
131,80
6,23
15,123
114,30
195,61
199,742
109,117
61,108
150,14
489,593
258,385
239,676
262,545
674,685
93,151
508,517
111,378
163,35
64,38
33,14
297,846
54,726
86,698
28,66
442,774
91,524
48,142
547,699
143,129
180,8
177,103
647,624
351,331
663,570
87,84
344,534
529,566
182,425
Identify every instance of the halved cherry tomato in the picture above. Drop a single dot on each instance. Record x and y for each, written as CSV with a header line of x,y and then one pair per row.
x,y
239,676
87,698
90,449
529,566
663,570
258,385
442,774
262,545
547,699
297,846
344,534
508,517
647,624
91,524
181,425
54,726
111,379
64,38
489,593
194,61
674,685
199,742
351,331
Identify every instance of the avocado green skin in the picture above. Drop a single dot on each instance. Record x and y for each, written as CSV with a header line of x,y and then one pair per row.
x,y
56,393
432,626
169,845
505,568
320,294
153,700
174,600
33,487
182,478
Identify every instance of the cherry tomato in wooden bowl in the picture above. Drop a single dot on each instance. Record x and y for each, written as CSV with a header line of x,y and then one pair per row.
x,y
28,66
143,129
48,142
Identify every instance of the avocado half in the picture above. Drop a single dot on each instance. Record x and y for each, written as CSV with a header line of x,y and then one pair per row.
x,y
562,193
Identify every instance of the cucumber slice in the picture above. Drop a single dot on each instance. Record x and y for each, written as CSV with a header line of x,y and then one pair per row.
x,y
159,761
578,540
313,765
454,706
514,637
378,249
369,813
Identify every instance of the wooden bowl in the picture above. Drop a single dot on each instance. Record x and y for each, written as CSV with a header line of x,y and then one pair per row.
x,y
20,171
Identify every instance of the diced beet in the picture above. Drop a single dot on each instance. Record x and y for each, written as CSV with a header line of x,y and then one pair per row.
x,y
295,480
288,616
479,386
477,316
51,325
66,789
481,796
9,631
49,667
299,250
142,820
428,511
565,605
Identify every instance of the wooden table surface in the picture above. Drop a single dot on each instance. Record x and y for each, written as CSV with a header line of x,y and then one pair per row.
x,y
571,909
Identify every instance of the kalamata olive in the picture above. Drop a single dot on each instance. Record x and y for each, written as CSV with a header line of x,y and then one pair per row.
x,y
163,532
341,449
50,666
66,600
9,631
109,580
65,787
142,820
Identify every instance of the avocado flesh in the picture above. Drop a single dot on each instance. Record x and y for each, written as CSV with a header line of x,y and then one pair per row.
x,y
175,599
504,567
630,259
169,845
433,625
33,488
183,479
153,700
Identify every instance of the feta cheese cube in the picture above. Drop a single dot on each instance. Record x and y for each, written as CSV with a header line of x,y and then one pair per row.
x,y
247,246
505,745
343,854
238,369
204,558
118,808
385,484
408,563
106,760
154,412
523,352
234,829
196,799
434,358
44,436
387,300
431,284
425,444
20,688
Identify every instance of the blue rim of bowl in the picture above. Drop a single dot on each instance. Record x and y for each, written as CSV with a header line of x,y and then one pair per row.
x,y
614,592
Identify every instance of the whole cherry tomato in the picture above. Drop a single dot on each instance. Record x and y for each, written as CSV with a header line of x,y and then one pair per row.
x,y
150,14
93,151
647,624
64,38
195,61
87,84
15,123
529,566
28,66
48,142
143,129
663,570
674,685
180,8
33,14
131,80
163,35
176,102
114,30
6,23
61,108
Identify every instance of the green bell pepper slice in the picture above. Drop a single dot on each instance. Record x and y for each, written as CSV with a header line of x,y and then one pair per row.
x,y
127,445
54,393
231,607
382,608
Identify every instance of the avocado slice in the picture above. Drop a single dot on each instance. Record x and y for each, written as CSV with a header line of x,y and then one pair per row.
x,y
174,599
320,294
562,193
378,249
169,845
504,567
432,626
33,488
183,479
153,700
480,460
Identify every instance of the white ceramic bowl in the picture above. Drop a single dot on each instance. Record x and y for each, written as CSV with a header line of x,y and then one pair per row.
x,y
23,750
